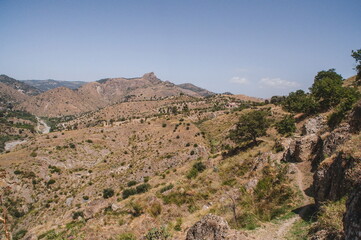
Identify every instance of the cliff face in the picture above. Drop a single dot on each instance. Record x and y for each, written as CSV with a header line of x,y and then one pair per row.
x,y
336,177
352,218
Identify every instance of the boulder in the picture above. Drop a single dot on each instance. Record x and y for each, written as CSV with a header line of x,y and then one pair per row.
x,y
212,227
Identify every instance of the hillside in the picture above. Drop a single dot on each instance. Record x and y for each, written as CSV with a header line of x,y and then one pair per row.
x,y
19,86
45,85
201,91
95,95
8,95
182,167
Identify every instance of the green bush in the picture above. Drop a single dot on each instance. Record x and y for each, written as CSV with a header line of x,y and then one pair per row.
x,y
197,168
286,126
158,234
131,183
129,192
78,214
142,188
108,193
50,182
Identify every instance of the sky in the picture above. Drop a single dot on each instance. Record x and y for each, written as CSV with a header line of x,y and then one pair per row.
x,y
253,47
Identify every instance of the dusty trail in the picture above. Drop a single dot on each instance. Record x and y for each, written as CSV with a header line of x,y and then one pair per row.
x,y
42,127
272,231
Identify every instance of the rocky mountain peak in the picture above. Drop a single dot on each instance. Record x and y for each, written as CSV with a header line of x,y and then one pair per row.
x,y
151,77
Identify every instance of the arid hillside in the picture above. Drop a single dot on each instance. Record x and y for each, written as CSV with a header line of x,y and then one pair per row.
x,y
96,95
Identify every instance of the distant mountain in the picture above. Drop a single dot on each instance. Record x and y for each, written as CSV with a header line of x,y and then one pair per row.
x,y
95,95
45,85
19,86
201,91
10,96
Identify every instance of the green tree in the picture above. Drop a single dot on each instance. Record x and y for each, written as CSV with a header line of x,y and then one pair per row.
x,y
300,102
327,88
250,126
286,126
357,56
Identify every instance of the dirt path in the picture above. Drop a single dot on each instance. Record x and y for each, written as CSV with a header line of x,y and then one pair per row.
x,y
42,127
279,230
11,145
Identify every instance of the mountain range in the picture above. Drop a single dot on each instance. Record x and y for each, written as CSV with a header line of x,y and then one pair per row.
x,y
57,98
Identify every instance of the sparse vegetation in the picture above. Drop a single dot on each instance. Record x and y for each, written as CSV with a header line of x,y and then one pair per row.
x,y
108,193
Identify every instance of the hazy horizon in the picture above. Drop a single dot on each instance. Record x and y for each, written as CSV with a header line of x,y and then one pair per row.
x,y
255,48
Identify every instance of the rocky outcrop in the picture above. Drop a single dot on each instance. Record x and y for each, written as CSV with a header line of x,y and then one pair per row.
x,y
212,227
355,118
336,177
352,218
300,149
314,125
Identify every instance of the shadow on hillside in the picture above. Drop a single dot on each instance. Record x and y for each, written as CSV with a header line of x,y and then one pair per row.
x,y
307,212
243,148
309,191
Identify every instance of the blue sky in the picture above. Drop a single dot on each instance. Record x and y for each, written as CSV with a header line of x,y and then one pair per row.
x,y
258,48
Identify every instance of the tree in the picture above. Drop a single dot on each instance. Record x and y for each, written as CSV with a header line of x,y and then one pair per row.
x,y
286,126
327,88
357,56
300,102
250,126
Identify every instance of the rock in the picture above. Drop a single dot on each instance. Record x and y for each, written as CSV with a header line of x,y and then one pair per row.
x,y
212,227
69,201
336,177
336,138
313,125
115,207
352,218
355,118
300,149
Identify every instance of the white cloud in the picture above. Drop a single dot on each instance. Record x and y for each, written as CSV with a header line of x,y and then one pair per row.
x,y
239,80
277,83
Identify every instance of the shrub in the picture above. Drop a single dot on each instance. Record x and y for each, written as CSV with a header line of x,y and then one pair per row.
x,y
78,214
129,192
108,192
86,198
178,225
89,141
155,209
71,145
142,188
132,183
137,209
20,234
166,188
33,154
192,152
164,125
198,167
158,234
286,126
50,182
126,236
